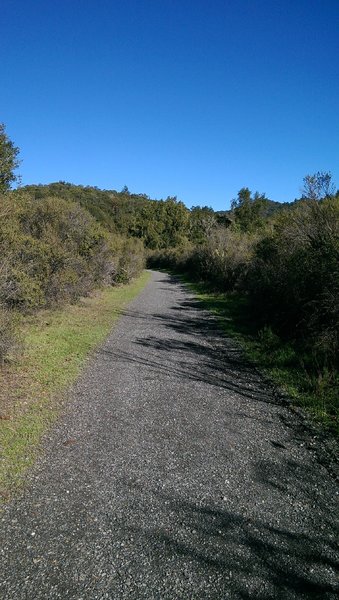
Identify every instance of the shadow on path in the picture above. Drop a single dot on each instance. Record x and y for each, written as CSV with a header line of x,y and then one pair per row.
x,y
195,349
250,557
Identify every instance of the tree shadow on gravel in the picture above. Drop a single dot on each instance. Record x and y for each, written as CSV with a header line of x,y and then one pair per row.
x,y
245,556
284,549
195,349
238,382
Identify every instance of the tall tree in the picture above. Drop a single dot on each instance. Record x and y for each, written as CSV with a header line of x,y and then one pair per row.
x,y
249,212
8,160
202,222
318,186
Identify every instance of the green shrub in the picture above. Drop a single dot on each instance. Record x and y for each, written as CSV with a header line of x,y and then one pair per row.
x,y
53,252
129,259
293,279
221,261
175,259
26,292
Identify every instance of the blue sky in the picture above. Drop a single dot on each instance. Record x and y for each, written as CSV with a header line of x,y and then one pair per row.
x,y
193,98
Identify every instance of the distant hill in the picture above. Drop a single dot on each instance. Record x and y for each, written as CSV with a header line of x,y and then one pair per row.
x,y
107,206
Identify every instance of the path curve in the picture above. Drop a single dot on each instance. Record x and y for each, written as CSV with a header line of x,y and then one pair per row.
x,y
174,473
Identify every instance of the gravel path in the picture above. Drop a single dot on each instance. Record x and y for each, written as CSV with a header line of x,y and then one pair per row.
x,y
173,474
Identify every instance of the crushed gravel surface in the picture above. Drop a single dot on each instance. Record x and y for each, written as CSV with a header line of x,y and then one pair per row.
x,y
175,472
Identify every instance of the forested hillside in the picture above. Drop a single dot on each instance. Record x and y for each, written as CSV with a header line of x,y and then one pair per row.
x,y
60,241
158,223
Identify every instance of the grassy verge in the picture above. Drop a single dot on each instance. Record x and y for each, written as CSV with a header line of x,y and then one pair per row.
x,y
56,344
317,393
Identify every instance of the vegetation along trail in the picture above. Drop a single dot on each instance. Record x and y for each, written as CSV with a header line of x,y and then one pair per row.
x,y
175,472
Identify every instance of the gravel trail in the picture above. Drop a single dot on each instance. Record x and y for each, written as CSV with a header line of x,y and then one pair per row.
x,y
174,473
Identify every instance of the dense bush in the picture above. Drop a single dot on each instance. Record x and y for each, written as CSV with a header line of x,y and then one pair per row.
x,y
128,258
222,260
293,280
175,259
53,251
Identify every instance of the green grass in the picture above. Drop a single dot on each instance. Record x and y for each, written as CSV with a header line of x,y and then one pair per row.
x,y
56,344
291,369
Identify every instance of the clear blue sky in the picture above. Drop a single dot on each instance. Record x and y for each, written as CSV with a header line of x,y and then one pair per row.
x,y
193,98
